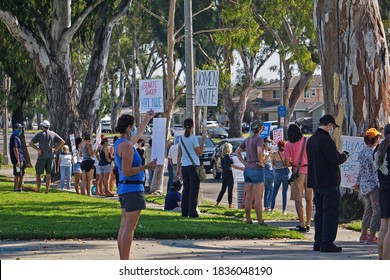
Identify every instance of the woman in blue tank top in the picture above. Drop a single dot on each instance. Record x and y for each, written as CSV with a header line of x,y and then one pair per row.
x,y
131,178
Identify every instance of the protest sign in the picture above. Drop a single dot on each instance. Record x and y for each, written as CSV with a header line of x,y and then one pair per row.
x,y
238,175
266,131
206,88
277,135
98,139
151,96
159,136
350,168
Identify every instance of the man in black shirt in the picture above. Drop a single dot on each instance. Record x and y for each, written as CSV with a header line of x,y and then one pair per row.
x,y
324,177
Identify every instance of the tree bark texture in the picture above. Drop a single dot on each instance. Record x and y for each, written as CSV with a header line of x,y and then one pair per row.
x,y
354,63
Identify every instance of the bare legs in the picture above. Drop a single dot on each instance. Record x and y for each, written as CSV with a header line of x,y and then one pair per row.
x,y
77,177
256,191
86,179
129,221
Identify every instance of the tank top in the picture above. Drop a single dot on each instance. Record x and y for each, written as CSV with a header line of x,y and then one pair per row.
x,y
279,164
137,161
103,161
86,155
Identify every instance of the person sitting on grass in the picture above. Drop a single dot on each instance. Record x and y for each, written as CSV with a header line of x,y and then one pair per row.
x,y
173,198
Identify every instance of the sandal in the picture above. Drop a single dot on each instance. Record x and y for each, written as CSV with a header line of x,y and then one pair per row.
x,y
363,238
299,228
108,194
372,240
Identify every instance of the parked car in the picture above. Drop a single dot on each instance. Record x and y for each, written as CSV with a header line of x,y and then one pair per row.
x,y
218,132
306,124
176,127
208,151
211,124
106,125
216,159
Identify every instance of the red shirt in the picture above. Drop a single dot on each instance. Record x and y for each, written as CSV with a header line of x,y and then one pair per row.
x,y
293,153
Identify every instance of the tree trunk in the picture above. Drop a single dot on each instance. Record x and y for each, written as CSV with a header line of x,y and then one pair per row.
x,y
355,68
116,105
354,63
294,96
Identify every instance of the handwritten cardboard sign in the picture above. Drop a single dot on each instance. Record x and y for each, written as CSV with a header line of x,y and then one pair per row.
x,y
151,95
206,88
350,168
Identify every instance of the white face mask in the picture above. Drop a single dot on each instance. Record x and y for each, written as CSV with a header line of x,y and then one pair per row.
x,y
331,130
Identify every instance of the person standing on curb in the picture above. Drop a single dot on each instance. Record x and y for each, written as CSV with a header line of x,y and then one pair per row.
x,y
189,151
254,171
296,156
324,177
382,163
46,153
17,157
368,185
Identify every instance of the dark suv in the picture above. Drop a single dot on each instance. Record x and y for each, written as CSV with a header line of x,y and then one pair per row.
x,y
216,160
208,151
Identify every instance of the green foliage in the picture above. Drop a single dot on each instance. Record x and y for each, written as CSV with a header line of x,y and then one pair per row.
x,y
351,208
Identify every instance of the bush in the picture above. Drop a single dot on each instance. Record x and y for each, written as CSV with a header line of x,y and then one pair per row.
x,y
351,207
1,160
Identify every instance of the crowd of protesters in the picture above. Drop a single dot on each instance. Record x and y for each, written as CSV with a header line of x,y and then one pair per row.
x,y
314,177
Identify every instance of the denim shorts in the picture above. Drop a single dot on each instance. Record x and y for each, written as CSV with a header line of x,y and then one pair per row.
x,y
102,169
254,176
77,167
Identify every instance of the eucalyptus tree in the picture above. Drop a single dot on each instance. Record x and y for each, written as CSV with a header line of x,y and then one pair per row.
x,y
46,29
354,63
291,25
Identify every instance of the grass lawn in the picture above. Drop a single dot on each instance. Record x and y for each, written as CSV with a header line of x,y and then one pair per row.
x,y
354,225
63,215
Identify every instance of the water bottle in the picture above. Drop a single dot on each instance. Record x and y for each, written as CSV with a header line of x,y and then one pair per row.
x,y
93,190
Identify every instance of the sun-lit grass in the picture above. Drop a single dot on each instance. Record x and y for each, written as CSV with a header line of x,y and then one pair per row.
x,y
63,215
354,225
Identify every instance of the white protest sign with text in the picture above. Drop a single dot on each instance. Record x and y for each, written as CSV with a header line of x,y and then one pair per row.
x,y
277,135
151,96
159,136
206,88
350,168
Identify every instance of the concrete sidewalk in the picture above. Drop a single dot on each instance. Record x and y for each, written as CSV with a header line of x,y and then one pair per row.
x,y
278,249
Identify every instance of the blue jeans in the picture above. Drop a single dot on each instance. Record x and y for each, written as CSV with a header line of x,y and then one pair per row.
x,y
281,177
65,175
268,192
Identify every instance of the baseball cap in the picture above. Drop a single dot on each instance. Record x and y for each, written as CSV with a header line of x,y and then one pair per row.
x,y
256,125
45,124
371,133
18,126
86,134
327,119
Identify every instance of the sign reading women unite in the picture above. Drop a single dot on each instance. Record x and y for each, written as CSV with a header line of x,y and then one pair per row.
x,y
151,96
350,168
206,88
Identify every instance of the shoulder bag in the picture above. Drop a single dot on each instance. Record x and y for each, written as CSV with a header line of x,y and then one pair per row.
x,y
200,171
295,174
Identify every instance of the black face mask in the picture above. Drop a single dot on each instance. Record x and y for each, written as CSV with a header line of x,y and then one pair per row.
x,y
143,145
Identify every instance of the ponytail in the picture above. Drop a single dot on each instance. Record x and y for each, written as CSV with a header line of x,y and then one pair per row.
x,y
188,125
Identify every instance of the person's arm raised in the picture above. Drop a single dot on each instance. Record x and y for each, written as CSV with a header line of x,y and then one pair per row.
x,y
140,130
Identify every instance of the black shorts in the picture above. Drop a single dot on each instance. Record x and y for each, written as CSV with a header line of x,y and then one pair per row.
x,y
87,165
132,201
384,202
20,171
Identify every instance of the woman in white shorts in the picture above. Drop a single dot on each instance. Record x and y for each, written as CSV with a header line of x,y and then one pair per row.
x,y
104,166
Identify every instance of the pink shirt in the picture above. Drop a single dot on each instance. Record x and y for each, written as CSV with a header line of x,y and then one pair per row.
x,y
293,153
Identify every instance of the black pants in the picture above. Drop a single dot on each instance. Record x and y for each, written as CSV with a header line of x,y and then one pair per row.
x,y
327,203
190,191
227,182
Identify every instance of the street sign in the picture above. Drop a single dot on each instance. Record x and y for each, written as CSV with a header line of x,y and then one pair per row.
x,y
282,110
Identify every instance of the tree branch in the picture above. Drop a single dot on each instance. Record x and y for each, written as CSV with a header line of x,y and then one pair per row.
x,y
194,15
25,37
207,31
69,33
151,13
